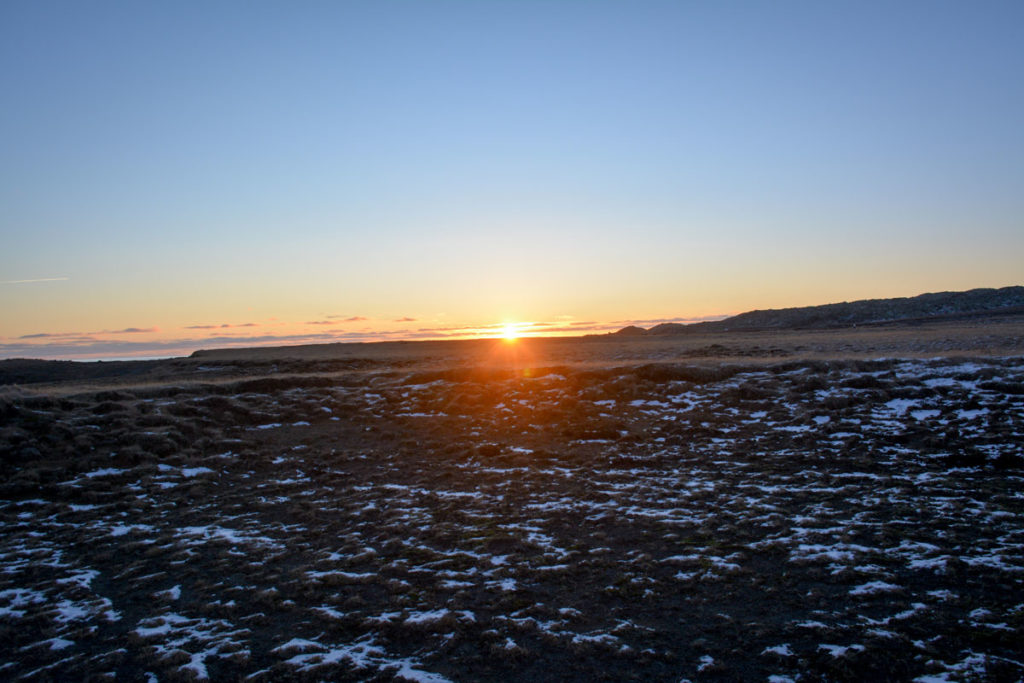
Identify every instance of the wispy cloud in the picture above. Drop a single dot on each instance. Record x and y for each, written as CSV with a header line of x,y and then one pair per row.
x,y
221,326
574,329
39,279
79,338
405,320
52,335
131,330
322,322
453,328
685,321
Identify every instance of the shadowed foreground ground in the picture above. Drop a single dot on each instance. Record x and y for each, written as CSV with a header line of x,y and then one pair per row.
x,y
756,518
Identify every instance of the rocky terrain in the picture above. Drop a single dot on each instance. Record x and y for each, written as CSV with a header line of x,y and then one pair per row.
x,y
614,515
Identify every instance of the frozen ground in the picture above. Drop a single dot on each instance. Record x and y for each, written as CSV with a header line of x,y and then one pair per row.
x,y
846,520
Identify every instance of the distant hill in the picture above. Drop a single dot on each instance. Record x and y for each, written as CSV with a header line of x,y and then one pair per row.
x,y
937,306
632,331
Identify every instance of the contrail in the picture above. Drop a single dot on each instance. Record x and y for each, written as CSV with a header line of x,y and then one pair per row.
x,y
42,279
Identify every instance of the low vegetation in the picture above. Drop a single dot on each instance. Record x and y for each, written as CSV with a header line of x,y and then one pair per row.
x,y
779,520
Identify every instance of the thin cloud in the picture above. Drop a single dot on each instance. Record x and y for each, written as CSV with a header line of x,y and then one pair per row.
x,y
222,326
39,279
418,336
576,329
132,330
65,336
454,328
405,320
322,322
658,321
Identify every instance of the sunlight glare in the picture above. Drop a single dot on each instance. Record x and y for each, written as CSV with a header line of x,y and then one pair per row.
x,y
510,332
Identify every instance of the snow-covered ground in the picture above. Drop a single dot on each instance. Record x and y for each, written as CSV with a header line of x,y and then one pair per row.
x,y
845,520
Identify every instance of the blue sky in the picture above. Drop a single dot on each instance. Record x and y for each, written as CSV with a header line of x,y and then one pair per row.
x,y
473,163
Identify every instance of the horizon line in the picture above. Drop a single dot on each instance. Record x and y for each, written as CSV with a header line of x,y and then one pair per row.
x,y
84,348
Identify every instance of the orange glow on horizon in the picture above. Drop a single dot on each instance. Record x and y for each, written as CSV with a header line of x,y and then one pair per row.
x,y
510,332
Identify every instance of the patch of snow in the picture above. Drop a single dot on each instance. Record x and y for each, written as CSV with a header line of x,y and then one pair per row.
x,y
169,594
194,471
874,587
841,650
105,472
901,405
426,617
83,578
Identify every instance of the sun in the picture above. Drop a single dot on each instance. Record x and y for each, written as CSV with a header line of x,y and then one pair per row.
x,y
510,332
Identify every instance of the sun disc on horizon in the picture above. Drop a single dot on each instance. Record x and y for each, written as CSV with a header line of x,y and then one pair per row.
x,y
510,332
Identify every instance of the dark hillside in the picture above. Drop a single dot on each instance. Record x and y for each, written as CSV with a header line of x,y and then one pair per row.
x,y
926,307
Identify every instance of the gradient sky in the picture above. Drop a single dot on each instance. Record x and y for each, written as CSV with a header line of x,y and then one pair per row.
x,y
185,174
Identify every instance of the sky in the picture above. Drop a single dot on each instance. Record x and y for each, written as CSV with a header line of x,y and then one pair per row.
x,y
186,175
